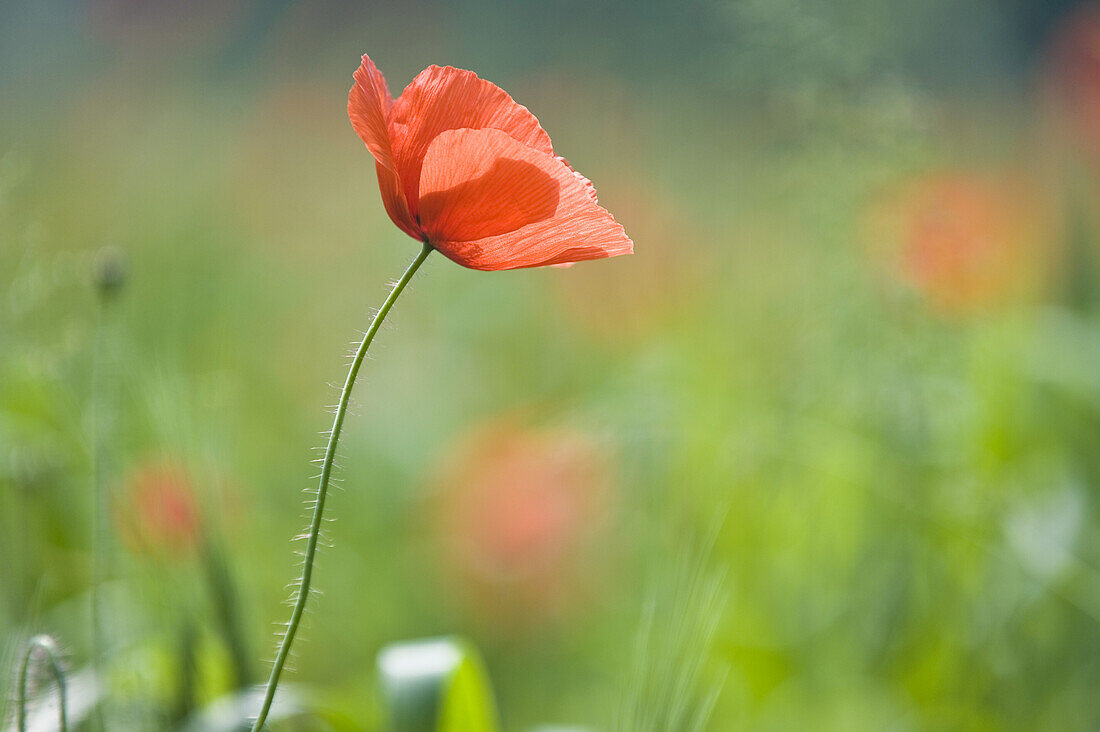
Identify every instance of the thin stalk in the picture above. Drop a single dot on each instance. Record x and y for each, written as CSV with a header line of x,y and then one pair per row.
x,y
48,647
109,277
322,487
185,690
223,594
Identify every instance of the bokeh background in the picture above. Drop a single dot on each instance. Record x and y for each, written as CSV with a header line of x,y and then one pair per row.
x,y
823,454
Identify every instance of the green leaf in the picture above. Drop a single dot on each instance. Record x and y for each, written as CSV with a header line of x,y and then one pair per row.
x,y
436,685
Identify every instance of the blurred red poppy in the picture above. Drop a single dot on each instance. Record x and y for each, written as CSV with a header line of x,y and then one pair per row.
x,y
158,512
517,510
464,168
962,239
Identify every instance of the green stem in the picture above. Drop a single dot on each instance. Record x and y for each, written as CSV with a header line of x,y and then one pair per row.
x,y
223,594
46,645
101,510
322,488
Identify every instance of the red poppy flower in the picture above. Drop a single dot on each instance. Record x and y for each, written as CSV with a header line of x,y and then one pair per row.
x,y
464,168
963,239
160,513
518,513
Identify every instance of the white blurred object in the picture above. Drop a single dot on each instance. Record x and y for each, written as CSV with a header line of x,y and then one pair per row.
x,y
423,659
1042,533
227,713
82,693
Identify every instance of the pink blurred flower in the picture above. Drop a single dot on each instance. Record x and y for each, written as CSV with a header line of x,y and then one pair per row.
x,y
517,510
158,514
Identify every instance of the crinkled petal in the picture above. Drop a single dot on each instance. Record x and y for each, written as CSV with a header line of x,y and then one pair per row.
x,y
490,202
446,98
584,181
369,103
393,198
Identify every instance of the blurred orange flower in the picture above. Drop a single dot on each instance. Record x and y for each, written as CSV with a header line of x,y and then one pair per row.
x,y
516,510
962,239
464,168
158,513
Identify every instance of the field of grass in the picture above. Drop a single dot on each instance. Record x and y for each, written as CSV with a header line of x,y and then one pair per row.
x,y
824,453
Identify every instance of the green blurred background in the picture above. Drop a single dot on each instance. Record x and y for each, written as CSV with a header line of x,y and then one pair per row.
x,y
824,453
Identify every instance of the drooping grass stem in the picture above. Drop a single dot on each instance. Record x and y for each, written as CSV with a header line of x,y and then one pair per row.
x,y
45,645
322,487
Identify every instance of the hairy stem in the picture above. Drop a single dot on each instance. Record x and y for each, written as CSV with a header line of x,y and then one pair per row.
x,y
322,487
45,645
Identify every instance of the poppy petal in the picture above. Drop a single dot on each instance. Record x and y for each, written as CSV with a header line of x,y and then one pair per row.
x,y
446,98
491,202
369,103
584,181
393,198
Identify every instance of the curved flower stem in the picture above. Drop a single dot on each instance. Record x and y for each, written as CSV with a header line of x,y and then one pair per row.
x,y
322,488
46,645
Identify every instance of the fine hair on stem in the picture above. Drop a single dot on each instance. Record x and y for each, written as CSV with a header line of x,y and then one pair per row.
x,y
314,531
